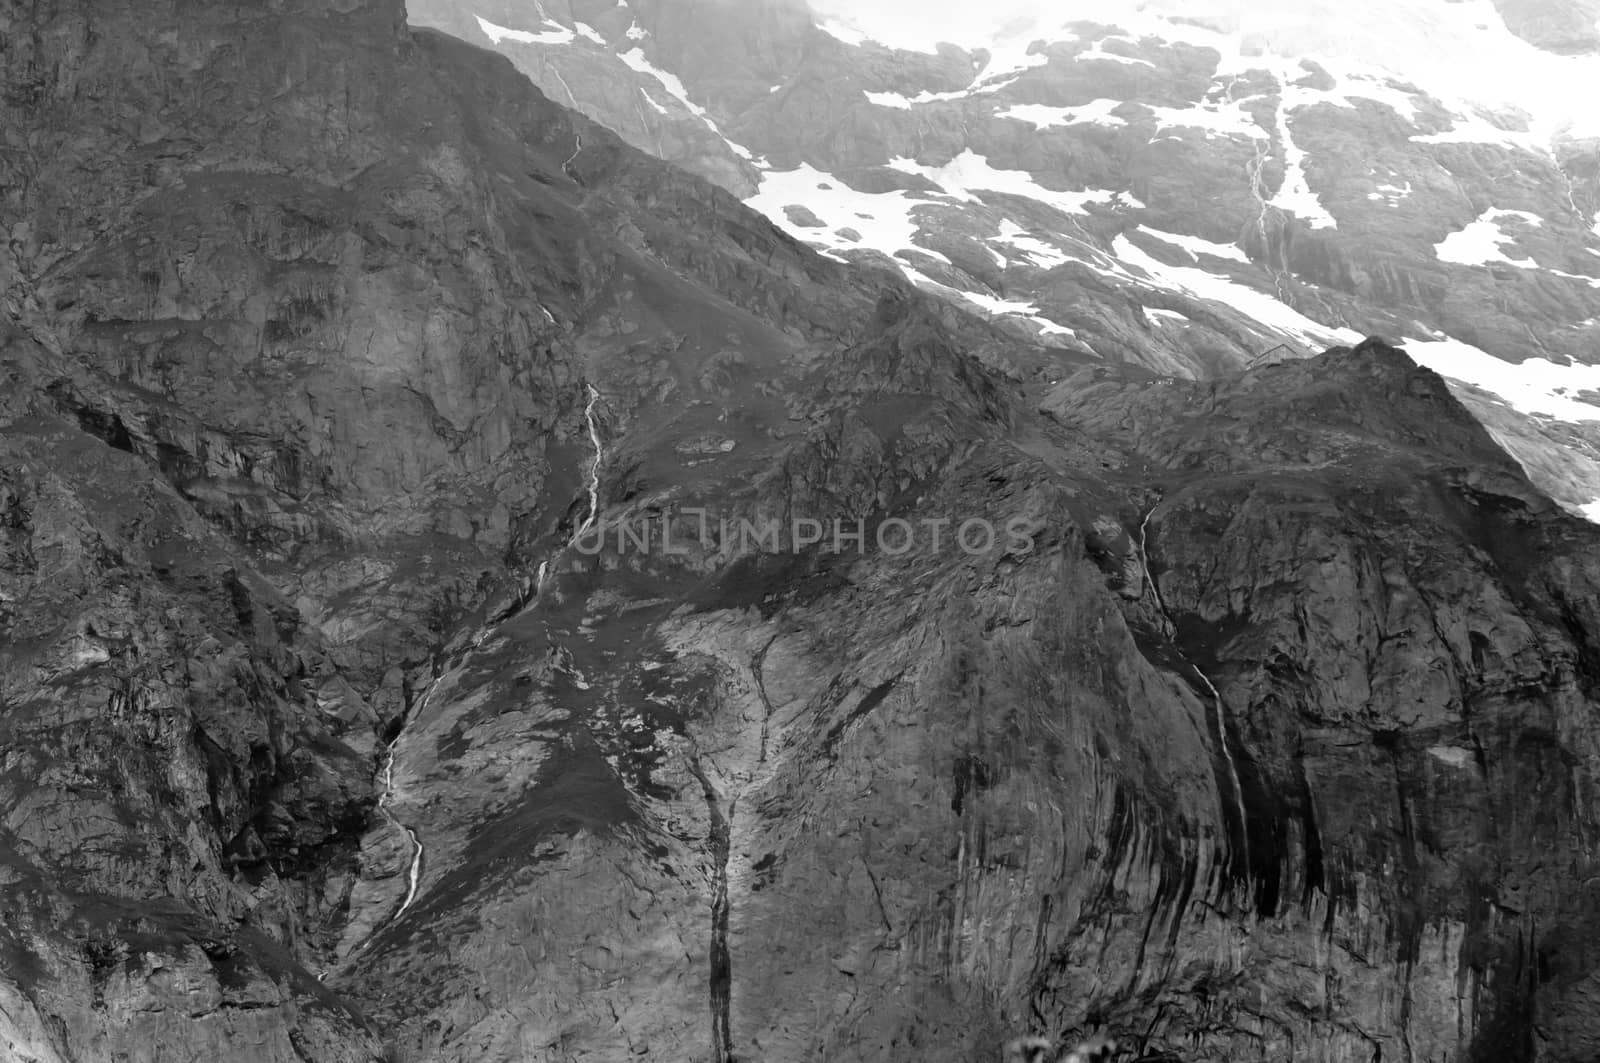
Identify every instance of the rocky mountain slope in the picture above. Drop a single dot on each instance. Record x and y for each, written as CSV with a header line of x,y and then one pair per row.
x,y
1185,188
347,714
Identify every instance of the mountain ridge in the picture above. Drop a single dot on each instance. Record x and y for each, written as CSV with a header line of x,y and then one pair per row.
x,y
1473,241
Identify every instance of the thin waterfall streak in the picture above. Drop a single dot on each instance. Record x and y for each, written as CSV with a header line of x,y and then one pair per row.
x,y
414,875
414,871
1211,689
570,97
594,468
576,151
592,487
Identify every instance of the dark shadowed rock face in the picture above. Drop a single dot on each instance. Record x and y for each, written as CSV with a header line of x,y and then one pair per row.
x,y
1262,726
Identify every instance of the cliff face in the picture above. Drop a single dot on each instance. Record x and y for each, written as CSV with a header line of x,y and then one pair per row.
x,y
288,394
1261,728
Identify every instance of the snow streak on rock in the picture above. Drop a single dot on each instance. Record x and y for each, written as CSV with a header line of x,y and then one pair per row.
x,y
1040,116
1263,308
882,221
1294,195
969,173
635,58
555,35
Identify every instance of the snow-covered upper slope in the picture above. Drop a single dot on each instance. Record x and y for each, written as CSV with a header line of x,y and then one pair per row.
x,y
1190,185
1497,90
1455,50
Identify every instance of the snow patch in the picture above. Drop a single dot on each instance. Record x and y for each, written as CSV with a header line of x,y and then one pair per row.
x,y
496,34
1197,246
1095,112
1593,282
995,306
970,172
636,60
671,82
1533,386
1480,242
1222,119
1009,58
902,102
883,219
1294,195
841,32
1390,194
1098,52
1257,305
1043,255
889,99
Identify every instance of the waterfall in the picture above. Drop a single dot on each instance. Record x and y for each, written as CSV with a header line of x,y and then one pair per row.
x,y
1216,697
576,151
594,468
414,872
593,486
